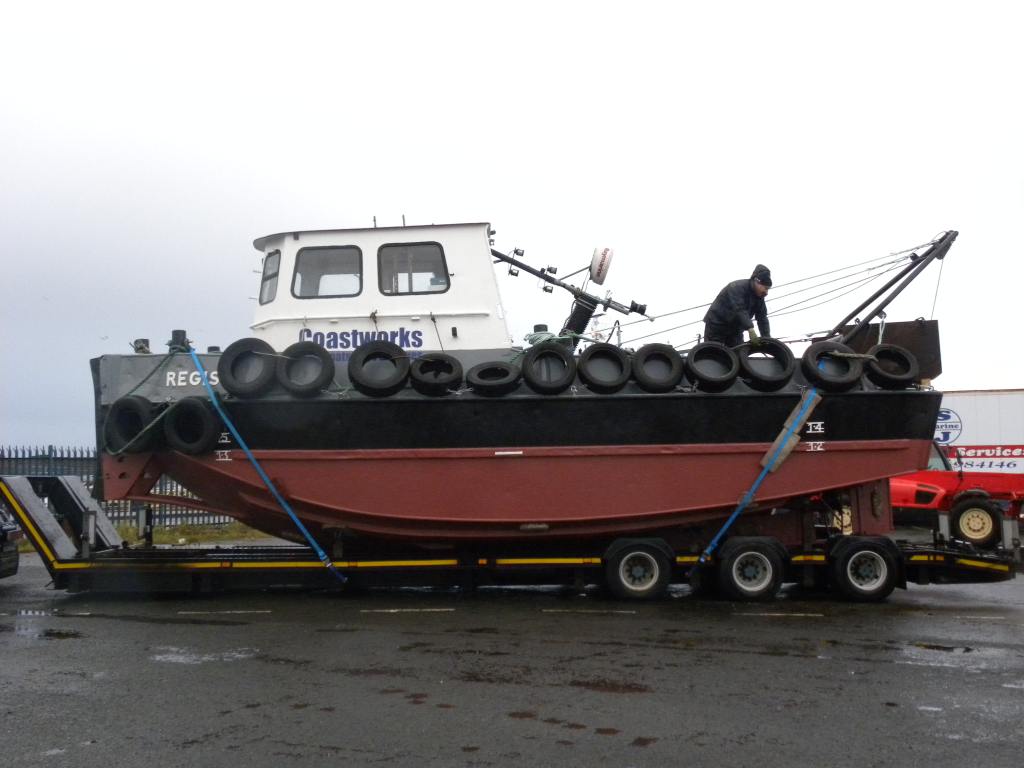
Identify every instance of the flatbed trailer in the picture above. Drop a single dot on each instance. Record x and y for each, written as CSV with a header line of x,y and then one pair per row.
x,y
83,551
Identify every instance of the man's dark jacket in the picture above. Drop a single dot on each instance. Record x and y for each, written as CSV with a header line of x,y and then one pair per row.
x,y
732,309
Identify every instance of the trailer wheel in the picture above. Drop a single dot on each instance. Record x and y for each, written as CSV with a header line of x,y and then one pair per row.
x,y
975,521
750,569
638,572
865,572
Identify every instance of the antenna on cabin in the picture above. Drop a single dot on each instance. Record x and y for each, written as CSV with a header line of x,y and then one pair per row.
x,y
403,219
374,222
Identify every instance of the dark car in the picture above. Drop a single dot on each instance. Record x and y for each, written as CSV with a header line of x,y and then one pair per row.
x,y
10,537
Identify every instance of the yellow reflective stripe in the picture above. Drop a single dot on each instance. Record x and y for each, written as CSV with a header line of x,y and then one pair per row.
x,y
980,564
27,522
351,564
927,558
548,561
807,559
254,565
397,564
684,559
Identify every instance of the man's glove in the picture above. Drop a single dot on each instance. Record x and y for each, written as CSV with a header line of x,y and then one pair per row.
x,y
754,338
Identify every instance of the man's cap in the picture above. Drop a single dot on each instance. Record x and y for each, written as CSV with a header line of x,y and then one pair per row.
x,y
763,275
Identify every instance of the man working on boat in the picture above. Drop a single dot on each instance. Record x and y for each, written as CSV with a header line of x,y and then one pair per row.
x,y
730,313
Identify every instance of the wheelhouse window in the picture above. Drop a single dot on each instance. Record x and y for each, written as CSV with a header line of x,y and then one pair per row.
x,y
328,272
406,268
268,286
937,461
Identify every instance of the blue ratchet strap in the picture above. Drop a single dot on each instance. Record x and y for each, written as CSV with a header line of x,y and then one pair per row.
x,y
263,475
748,497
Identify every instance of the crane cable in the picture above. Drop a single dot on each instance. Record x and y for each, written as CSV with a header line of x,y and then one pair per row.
x,y
901,254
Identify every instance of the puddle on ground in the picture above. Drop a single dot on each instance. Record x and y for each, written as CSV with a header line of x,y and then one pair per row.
x,y
36,633
172,655
610,686
163,620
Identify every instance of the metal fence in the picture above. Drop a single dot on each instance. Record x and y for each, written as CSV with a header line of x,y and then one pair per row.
x,y
81,462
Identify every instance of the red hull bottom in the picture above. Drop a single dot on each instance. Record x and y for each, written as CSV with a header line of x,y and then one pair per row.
x,y
508,494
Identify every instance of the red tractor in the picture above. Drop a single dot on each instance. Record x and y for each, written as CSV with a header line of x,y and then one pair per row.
x,y
976,502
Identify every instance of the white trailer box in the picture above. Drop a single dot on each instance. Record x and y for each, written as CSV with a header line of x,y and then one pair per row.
x,y
986,428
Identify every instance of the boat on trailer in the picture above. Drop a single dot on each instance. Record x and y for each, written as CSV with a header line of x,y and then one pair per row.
x,y
382,394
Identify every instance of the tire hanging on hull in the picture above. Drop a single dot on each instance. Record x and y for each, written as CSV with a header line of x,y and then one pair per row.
x,y
657,367
549,368
192,426
893,367
126,421
305,369
712,366
493,379
821,366
246,368
767,366
604,368
379,368
435,374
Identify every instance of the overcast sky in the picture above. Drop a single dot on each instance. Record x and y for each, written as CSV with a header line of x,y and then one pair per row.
x,y
143,147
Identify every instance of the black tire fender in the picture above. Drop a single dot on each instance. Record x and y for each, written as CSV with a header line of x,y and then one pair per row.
x,y
493,379
127,417
305,368
834,374
758,378
712,366
378,368
657,367
604,368
538,362
893,367
192,426
435,374
246,368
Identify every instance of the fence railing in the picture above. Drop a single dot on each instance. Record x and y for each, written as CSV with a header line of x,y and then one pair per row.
x,y
81,463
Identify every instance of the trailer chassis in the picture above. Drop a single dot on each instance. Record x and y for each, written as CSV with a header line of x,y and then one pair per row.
x,y
83,551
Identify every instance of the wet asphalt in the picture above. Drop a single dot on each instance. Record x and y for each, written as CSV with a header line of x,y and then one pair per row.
x,y
514,676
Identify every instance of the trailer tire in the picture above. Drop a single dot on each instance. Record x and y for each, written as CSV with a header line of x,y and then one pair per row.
x,y
549,368
842,373
976,521
305,369
637,571
435,374
246,368
865,571
192,426
750,568
378,368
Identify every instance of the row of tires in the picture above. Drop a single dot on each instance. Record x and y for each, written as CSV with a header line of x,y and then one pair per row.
x,y
752,568
135,425
250,367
